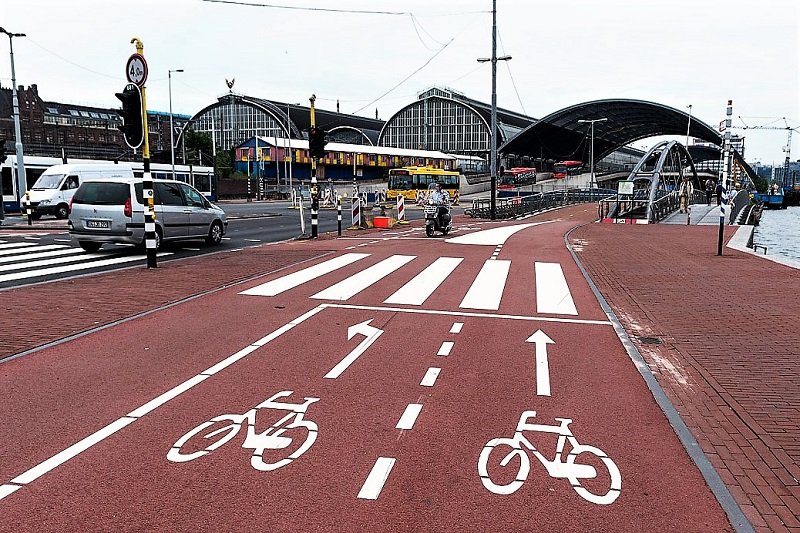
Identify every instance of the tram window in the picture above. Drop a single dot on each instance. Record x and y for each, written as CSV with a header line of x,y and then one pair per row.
x,y
6,177
201,182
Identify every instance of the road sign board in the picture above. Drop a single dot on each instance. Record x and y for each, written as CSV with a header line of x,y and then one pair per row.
x,y
136,69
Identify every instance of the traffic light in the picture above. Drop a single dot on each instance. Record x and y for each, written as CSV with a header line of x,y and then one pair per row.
x,y
316,142
3,154
131,114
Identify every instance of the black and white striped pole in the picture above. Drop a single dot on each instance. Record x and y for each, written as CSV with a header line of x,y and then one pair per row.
x,y
339,214
147,179
314,190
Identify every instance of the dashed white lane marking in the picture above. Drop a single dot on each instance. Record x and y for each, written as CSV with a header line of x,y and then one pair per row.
x,y
416,291
487,289
430,377
376,479
356,283
445,348
409,416
552,291
456,327
284,283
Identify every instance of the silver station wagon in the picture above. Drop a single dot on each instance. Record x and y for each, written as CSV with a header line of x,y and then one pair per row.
x,y
112,210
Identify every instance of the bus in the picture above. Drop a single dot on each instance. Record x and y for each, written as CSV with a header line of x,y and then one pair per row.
x,y
201,178
562,169
411,182
516,176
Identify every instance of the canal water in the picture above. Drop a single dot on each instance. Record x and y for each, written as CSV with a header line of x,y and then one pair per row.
x,y
779,231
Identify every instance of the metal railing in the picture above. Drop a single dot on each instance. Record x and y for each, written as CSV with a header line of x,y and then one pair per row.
x,y
529,204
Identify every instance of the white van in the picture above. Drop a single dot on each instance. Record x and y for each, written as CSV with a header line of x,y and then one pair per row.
x,y
51,193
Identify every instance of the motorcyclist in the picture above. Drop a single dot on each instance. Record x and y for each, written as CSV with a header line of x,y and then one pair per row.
x,y
441,198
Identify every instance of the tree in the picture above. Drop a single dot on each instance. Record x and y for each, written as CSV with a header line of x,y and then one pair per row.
x,y
198,147
223,165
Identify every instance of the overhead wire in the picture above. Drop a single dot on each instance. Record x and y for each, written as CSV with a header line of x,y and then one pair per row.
x,y
510,75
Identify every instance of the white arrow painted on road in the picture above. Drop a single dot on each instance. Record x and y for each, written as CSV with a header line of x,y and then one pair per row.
x,y
542,368
362,328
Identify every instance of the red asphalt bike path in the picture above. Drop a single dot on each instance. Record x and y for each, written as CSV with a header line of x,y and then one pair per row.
x,y
487,380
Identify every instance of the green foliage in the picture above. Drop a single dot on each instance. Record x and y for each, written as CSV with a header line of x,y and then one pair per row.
x,y
223,165
198,147
761,184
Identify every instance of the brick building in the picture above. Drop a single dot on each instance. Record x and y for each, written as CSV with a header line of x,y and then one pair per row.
x,y
81,131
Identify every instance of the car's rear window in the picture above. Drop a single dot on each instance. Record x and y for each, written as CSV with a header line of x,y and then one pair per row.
x,y
102,193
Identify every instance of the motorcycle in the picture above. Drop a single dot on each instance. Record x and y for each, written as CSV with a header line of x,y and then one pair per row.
x,y
437,217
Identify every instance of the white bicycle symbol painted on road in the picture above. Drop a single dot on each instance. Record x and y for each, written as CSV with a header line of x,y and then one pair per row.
x,y
261,443
570,469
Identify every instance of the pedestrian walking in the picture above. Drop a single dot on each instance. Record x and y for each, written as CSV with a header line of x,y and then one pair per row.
x,y
684,193
709,190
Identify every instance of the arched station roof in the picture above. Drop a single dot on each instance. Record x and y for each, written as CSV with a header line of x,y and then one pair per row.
x,y
560,136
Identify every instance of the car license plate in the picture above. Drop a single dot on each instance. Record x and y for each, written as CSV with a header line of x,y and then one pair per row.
x,y
100,224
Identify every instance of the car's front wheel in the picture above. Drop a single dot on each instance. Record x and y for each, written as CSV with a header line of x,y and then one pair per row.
x,y
214,233
62,211
90,246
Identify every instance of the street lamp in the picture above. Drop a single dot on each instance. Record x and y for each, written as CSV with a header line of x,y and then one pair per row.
x,y
23,184
591,153
493,154
688,126
171,127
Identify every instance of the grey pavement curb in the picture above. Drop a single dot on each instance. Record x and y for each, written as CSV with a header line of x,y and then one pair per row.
x,y
709,473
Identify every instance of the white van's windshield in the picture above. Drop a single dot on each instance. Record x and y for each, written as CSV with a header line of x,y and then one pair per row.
x,y
48,181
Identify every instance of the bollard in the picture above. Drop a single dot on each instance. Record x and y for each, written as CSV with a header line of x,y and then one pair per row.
x,y
356,211
721,228
401,208
339,214
28,210
302,217
249,194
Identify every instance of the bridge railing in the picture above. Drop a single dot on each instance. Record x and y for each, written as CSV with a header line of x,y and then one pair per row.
x,y
529,204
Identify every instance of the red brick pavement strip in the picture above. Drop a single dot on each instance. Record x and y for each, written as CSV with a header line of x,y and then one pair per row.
x,y
728,354
39,314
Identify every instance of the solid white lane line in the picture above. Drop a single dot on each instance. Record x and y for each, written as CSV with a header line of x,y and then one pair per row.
x,y
67,454
358,282
290,281
416,291
487,289
24,247
456,327
418,311
445,348
72,268
430,377
51,261
409,416
40,255
552,292
87,442
376,479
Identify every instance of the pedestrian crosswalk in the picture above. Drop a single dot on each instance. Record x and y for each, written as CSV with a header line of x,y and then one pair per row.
x,y
23,260
552,293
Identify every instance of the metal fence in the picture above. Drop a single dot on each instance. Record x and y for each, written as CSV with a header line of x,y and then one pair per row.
x,y
529,204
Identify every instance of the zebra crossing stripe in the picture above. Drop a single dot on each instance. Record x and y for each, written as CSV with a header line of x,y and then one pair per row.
x,y
416,291
23,247
40,255
290,281
71,268
52,261
487,289
552,291
358,282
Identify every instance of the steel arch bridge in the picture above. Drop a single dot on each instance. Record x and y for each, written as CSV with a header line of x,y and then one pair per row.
x,y
656,178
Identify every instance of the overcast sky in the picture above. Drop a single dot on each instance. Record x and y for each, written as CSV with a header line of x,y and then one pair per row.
x,y
698,52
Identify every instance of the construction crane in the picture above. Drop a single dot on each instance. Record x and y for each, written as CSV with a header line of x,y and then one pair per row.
x,y
770,126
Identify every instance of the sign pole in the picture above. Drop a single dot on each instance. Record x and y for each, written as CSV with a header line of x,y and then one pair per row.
x,y
147,180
